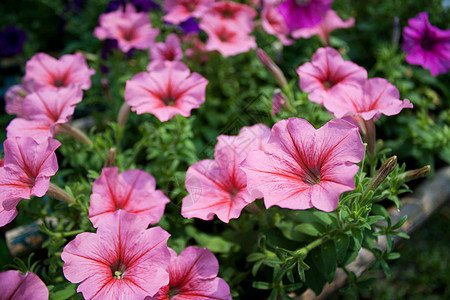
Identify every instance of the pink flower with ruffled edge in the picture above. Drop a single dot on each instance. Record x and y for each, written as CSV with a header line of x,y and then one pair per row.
x,y
47,72
331,21
219,186
304,167
376,97
131,29
193,275
14,98
133,191
231,14
273,23
28,166
180,10
426,45
327,74
43,111
17,286
168,89
227,40
303,13
122,260
170,50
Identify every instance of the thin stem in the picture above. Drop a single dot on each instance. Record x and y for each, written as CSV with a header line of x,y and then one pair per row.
x,y
75,132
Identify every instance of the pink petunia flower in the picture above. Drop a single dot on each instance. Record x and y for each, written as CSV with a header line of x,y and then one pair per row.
x,y
219,186
331,21
273,23
133,191
377,97
231,14
16,286
131,29
278,101
180,10
47,72
426,45
227,40
193,275
122,260
327,74
43,111
168,89
304,167
14,98
28,166
170,50
303,13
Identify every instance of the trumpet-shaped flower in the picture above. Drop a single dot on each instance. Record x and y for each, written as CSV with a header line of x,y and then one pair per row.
x,y
426,45
16,286
377,97
47,72
28,166
227,40
193,275
180,10
303,13
122,260
327,74
231,14
131,29
133,191
304,167
331,21
219,186
273,23
169,88
170,50
14,98
43,110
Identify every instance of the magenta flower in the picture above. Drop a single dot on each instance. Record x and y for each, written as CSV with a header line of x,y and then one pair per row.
x,y
43,111
16,286
273,23
131,29
180,10
193,275
170,50
303,13
49,73
426,45
227,40
168,89
133,191
219,186
231,14
122,260
327,74
377,97
278,101
304,167
331,21
26,172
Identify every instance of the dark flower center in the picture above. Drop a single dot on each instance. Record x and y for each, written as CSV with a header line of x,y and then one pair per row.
x,y
58,82
228,14
302,2
311,176
328,83
190,6
169,55
426,42
173,291
118,269
169,100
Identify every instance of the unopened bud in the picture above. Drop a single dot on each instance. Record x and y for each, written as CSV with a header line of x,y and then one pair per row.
x,y
385,169
417,173
272,67
123,114
279,100
109,162
58,193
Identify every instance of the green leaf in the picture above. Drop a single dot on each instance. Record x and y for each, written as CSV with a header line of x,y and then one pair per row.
x,y
401,234
357,238
289,264
309,229
255,256
341,242
400,223
393,255
62,292
327,218
374,219
260,285
326,263
256,267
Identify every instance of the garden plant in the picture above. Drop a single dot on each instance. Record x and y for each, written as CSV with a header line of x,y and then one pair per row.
x,y
201,149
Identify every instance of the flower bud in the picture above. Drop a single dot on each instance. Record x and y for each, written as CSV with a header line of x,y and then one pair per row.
x,y
272,67
123,114
417,173
387,167
279,100
109,162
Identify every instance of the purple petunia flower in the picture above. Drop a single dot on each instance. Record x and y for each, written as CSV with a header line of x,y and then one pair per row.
x,y
190,25
303,13
11,41
426,45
